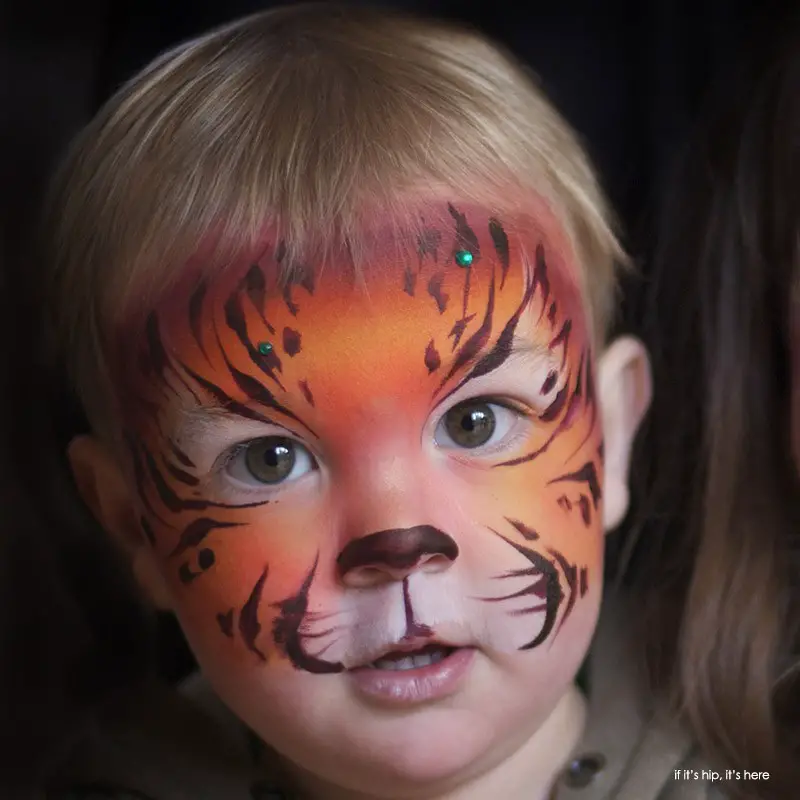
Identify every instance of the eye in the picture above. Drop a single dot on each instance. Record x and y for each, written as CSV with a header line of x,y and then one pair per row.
x,y
270,461
475,423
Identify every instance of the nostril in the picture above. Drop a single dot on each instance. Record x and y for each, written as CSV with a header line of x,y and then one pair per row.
x,y
434,563
397,550
367,577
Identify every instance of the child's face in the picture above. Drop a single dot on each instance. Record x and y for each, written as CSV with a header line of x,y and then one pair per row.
x,y
377,508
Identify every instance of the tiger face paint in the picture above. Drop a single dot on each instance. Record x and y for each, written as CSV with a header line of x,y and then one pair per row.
x,y
385,494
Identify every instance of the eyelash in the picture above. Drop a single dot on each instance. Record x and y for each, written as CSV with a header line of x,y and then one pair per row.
x,y
226,458
232,453
511,405
522,410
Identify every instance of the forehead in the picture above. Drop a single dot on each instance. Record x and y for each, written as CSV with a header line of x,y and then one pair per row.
x,y
425,302
393,260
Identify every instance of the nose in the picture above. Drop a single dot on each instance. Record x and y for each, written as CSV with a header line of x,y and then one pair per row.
x,y
393,555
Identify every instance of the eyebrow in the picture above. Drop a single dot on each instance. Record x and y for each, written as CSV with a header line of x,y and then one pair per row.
x,y
525,347
520,349
195,422
494,358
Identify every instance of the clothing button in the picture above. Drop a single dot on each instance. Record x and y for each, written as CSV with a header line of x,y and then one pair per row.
x,y
583,770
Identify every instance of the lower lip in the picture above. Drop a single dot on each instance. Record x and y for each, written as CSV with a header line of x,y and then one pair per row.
x,y
415,686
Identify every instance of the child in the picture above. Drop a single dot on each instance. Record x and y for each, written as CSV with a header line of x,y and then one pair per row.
x,y
722,454
331,285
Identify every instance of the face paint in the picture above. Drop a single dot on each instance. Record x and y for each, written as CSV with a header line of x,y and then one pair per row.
x,y
334,475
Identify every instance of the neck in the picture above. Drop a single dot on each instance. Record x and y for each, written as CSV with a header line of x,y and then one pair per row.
x,y
528,773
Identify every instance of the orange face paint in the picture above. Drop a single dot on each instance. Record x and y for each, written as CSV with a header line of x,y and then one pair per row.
x,y
389,530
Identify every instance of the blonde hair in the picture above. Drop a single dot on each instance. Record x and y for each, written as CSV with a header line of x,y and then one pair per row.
x,y
303,116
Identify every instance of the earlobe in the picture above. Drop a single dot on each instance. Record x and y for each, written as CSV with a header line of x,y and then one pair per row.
x,y
101,484
625,391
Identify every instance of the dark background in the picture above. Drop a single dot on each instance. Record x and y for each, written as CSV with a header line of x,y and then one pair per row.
x,y
631,75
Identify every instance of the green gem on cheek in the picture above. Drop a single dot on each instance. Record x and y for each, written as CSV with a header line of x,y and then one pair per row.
x,y
464,258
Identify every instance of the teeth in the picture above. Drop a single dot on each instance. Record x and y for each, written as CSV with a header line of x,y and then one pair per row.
x,y
411,661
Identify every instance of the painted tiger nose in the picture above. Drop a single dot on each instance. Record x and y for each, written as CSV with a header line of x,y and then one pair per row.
x,y
394,554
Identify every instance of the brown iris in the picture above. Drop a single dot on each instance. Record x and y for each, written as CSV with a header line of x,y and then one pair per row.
x,y
270,460
470,424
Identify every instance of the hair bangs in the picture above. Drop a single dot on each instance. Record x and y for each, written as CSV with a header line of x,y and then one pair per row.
x,y
304,125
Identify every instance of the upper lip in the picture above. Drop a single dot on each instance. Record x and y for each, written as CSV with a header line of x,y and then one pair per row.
x,y
409,645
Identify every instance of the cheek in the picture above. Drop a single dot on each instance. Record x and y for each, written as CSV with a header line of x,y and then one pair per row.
x,y
239,571
272,697
556,501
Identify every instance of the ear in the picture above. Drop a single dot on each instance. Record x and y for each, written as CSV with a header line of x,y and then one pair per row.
x,y
625,389
101,483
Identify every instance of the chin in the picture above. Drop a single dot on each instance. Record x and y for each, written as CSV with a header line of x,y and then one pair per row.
x,y
328,736
436,752
326,730
441,746
438,747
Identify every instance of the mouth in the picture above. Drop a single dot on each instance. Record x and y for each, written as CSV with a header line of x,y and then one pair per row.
x,y
406,660
414,674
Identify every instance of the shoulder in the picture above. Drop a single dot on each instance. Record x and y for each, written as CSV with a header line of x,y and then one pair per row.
x,y
693,778
163,745
632,748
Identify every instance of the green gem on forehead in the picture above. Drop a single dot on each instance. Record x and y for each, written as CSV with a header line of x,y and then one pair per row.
x,y
265,348
464,258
